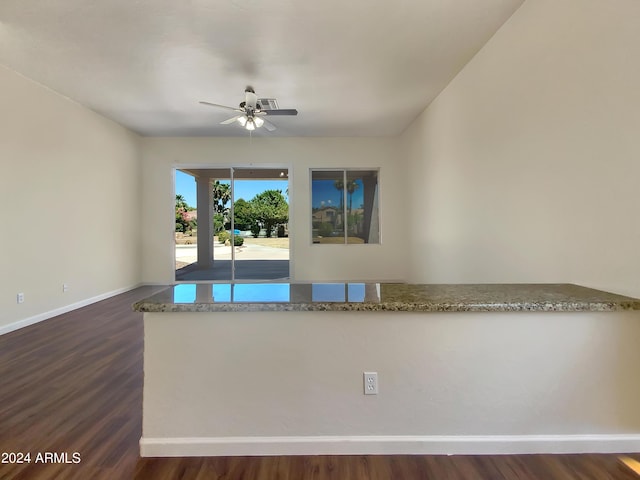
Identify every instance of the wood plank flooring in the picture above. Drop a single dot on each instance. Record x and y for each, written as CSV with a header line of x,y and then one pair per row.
x,y
74,384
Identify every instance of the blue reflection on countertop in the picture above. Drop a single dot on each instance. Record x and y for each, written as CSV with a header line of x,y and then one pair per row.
x,y
356,292
275,293
260,292
338,292
221,292
328,292
184,293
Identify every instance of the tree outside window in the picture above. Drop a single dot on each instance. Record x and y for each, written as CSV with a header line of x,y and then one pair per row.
x,y
344,206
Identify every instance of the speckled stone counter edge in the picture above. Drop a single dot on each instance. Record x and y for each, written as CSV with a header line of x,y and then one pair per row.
x,y
433,298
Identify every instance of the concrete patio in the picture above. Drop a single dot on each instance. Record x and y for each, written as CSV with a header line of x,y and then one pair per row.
x,y
252,262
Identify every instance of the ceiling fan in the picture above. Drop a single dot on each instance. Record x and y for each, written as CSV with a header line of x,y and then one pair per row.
x,y
252,111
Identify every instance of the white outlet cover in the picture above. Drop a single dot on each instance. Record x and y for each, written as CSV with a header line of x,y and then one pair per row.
x,y
370,383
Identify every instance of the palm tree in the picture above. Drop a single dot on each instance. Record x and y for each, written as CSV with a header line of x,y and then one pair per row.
x,y
181,202
221,196
352,186
182,224
339,184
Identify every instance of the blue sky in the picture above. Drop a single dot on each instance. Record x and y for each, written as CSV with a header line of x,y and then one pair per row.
x,y
247,189
325,194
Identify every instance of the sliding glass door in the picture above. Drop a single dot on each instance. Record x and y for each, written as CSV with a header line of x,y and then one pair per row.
x,y
260,223
238,228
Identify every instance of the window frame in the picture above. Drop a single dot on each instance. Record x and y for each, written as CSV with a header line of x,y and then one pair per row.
x,y
345,171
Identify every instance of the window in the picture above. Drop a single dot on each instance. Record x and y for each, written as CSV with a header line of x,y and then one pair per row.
x,y
344,206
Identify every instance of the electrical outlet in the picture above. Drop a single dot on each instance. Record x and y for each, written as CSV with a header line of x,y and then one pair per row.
x,y
370,383
65,287
20,298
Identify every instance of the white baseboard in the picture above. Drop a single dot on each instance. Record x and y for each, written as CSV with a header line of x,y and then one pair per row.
x,y
25,322
388,445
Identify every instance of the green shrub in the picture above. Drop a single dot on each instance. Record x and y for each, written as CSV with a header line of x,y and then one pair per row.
x,y
238,241
255,230
325,229
218,222
223,236
179,227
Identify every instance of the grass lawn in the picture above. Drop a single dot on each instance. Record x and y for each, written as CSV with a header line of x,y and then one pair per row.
x,y
337,240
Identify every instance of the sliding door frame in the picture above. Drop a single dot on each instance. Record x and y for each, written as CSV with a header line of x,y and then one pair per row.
x,y
232,168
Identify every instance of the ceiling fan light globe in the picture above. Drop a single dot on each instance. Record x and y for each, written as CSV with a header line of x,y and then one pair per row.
x,y
258,121
242,121
250,125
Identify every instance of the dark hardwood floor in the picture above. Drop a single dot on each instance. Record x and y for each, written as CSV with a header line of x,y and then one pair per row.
x,y
74,384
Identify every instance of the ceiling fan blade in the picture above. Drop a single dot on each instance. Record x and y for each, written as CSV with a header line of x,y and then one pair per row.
x,y
269,126
231,120
282,111
222,106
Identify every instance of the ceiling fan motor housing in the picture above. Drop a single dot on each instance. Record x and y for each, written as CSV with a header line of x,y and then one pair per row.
x,y
251,99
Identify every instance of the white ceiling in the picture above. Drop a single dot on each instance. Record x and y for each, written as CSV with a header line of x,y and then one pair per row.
x,y
351,68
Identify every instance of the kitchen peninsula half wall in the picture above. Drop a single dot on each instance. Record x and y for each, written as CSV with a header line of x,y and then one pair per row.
x,y
277,369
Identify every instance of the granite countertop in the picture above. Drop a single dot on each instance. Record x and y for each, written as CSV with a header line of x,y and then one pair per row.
x,y
243,297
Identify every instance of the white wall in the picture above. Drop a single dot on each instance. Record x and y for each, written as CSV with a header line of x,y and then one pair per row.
x,y
70,188
526,167
310,262
523,170
291,382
